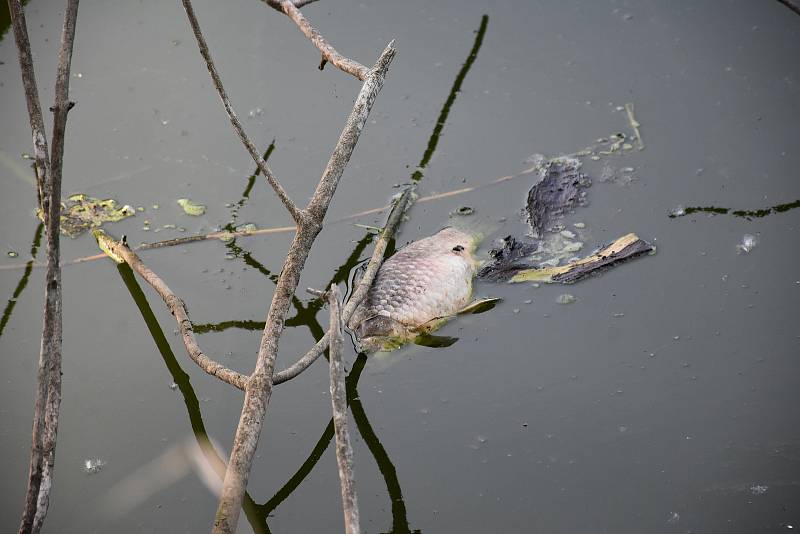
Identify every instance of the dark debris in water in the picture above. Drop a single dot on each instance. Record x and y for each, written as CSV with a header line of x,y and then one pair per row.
x,y
746,214
561,190
508,258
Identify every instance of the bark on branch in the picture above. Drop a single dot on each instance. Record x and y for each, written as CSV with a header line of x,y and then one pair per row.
x,y
296,214
395,217
178,310
329,53
344,451
48,179
259,387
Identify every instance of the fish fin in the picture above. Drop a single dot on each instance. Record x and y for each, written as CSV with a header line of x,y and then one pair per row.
x,y
438,342
480,305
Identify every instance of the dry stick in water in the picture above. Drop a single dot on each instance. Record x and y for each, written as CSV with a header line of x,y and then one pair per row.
x,y
178,309
296,214
178,241
329,53
48,393
395,217
344,451
259,388
309,223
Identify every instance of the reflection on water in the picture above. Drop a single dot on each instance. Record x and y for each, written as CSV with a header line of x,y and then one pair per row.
x,y
746,214
442,119
181,378
306,315
23,282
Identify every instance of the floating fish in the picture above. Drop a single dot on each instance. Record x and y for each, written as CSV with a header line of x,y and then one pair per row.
x,y
422,286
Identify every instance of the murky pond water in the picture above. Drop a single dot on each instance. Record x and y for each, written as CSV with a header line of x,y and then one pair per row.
x,y
664,398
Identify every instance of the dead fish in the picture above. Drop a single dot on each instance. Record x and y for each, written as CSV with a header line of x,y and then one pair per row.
x,y
418,289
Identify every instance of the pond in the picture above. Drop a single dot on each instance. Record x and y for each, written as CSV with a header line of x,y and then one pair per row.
x,y
661,396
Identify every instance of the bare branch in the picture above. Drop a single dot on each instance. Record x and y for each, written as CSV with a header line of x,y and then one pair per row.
x,y
259,388
395,217
344,451
788,3
41,155
296,214
329,53
276,4
177,308
48,174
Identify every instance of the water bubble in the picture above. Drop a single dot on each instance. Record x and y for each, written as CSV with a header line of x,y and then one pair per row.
x,y
747,244
173,386
12,254
579,225
673,518
255,112
758,489
565,298
93,466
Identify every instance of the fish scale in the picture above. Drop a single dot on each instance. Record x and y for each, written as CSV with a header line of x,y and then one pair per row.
x,y
424,281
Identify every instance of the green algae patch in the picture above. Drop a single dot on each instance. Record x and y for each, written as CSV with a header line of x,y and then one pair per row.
x,y
81,212
191,208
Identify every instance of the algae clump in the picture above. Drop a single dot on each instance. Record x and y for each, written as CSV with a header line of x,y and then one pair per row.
x,y
82,212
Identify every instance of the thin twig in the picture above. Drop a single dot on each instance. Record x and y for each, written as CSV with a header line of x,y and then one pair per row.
x,y
329,53
48,174
395,217
788,3
344,451
259,387
271,230
178,309
296,214
40,152
276,4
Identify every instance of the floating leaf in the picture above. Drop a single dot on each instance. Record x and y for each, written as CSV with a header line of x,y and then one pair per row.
x,y
191,208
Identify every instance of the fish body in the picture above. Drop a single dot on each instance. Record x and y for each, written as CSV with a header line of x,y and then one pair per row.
x,y
416,290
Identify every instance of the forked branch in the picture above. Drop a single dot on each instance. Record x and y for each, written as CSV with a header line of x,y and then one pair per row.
x,y
329,53
117,250
48,179
259,388
395,217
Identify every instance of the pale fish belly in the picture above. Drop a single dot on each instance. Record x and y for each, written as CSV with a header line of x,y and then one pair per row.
x,y
427,280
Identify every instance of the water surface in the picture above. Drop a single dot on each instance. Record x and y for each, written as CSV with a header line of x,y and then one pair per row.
x,y
663,399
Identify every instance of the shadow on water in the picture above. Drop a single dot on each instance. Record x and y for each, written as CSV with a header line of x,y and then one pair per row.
x,y
5,18
182,380
23,282
251,181
306,316
451,98
746,214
